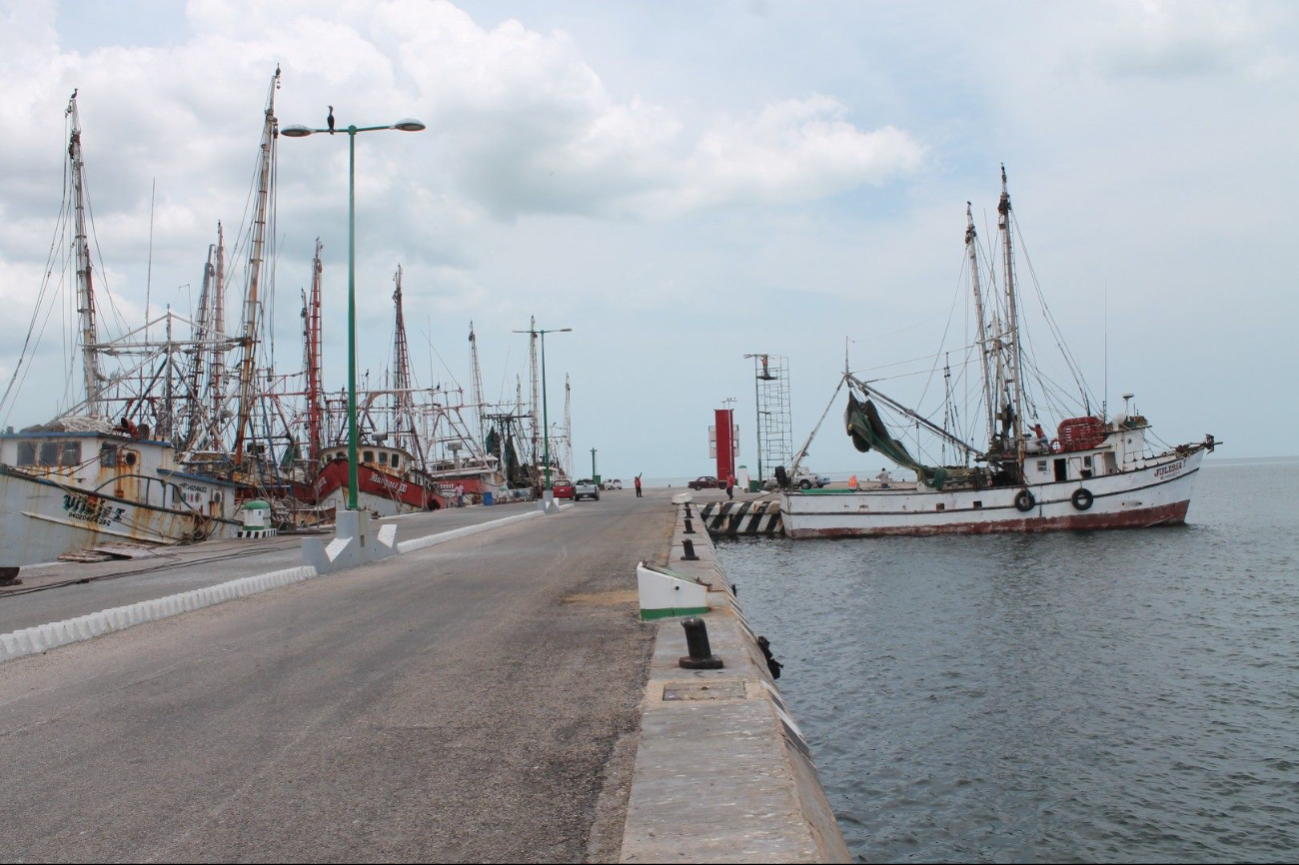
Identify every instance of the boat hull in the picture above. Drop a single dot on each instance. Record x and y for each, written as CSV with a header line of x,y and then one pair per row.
x,y
1158,493
41,520
376,491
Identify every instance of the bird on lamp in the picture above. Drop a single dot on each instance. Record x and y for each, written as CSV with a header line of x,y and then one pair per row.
x,y
331,120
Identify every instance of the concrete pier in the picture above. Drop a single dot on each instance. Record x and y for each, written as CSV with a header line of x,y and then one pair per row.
x,y
723,773
481,696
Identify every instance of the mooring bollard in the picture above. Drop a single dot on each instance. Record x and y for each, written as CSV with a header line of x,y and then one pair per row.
x,y
690,552
701,654
690,527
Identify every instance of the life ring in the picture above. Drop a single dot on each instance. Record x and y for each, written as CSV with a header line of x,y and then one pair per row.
x,y
1055,446
1024,501
1082,498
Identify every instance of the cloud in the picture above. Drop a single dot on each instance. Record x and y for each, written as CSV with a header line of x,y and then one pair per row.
x,y
1159,39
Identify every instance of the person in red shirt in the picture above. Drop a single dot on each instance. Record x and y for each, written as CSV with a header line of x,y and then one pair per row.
x,y
638,495
730,487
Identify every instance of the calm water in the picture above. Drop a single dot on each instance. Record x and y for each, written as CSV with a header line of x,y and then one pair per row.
x,y
1110,696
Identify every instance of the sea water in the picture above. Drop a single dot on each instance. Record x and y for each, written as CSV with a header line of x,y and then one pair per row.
x,y
1122,696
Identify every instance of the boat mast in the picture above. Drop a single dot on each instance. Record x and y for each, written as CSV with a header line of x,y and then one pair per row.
x,y
1012,311
216,361
402,410
536,388
971,247
85,280
568,423
251,297
476,383
314,410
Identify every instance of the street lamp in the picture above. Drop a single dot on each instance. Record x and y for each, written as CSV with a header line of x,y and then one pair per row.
x,y
406,125
545,416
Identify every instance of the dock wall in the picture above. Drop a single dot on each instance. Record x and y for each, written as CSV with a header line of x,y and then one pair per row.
x,y
723,773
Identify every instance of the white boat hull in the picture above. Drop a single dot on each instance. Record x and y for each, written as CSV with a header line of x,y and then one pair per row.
x,y
1158,493
41,520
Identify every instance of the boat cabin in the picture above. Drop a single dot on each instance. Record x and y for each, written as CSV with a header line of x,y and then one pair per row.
x,y
138,470
393,461
1123,447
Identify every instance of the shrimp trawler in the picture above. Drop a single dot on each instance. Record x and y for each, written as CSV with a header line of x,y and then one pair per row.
x,y
82,479
1097,472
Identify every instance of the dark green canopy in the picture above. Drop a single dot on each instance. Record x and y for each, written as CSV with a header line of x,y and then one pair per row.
x,y
867,431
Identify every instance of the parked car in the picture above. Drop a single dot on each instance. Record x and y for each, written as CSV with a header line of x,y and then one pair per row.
x,y
562,489
706,482
586,488
613,484
803,479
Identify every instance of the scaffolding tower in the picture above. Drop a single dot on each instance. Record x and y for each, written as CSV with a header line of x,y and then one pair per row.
x,y
775,424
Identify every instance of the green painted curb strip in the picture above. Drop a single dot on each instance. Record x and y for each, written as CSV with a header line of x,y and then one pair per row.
x,y
670,612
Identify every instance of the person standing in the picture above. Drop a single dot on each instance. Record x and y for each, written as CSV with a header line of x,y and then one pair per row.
x,y
730,487
638,495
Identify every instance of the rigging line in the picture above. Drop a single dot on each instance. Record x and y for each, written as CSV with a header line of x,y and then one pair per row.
x,y
1074,367
951,311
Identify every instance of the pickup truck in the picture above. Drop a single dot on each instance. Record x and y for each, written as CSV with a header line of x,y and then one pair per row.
x,y
803,479
586,487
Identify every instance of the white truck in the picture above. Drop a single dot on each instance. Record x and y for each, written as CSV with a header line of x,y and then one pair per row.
x,y
588,488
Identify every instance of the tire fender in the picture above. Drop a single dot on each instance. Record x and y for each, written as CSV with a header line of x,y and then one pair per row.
x,y
1082,498
1024,501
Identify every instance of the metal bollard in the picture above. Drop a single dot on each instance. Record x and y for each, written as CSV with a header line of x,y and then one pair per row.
x,y
701,654
688,514
690,551
690,527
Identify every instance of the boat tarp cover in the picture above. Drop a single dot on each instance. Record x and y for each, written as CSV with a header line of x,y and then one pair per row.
x,y
867,431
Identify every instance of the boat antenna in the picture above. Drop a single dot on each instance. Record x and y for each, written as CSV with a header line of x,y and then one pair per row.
x,y
1105,327
148,279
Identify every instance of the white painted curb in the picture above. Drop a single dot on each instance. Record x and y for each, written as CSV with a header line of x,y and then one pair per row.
x,y
42,638
455,534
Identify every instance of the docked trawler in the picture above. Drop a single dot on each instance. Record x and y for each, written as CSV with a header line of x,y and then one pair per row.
x,y
1095,473
82,481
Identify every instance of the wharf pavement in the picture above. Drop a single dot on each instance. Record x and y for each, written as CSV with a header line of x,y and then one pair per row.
x,y
64,590
479,700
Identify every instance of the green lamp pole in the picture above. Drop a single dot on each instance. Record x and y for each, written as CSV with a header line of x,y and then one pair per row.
x,y
545,413
407,125
595,475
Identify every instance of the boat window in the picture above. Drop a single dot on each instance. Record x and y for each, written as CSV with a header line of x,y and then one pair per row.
x,y
396,461
27,453
130,458
49,453
940,506
369,456
1087,461
71,454
108,456
978,504
1041,465
1062,470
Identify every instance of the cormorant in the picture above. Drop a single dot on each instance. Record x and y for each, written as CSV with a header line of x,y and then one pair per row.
x,y
331,120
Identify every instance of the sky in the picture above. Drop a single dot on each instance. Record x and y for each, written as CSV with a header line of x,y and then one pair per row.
x,y
683,184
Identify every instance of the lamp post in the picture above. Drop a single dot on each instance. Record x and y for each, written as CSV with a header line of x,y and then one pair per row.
x,y
407,125
595,475
548,495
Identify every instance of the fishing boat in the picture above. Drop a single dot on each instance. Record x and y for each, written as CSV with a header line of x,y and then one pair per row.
x,y
1095,472
82,480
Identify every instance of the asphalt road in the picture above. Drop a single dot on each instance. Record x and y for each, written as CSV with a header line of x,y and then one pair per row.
x,y
52,593
477,701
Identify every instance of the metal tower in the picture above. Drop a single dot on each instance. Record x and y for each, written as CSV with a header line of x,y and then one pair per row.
x,y
775,423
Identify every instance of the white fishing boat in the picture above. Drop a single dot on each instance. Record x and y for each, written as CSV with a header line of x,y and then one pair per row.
x,y
83,480
1096,472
